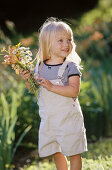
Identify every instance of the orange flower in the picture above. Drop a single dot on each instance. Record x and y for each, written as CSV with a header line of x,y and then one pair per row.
x,y
96,36
27,41
10,50
7,61
13,59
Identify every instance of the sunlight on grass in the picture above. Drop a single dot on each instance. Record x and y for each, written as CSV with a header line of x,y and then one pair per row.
x,y
98,157
88,164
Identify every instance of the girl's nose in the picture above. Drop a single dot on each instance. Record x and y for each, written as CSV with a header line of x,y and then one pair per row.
x,y
66,43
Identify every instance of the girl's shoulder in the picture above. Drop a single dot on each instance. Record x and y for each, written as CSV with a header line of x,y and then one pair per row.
x,y
74,69
74,65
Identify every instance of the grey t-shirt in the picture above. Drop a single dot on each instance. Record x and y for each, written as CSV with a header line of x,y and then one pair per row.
x,y
50,72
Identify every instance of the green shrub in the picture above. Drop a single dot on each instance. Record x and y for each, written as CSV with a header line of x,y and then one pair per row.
x,y
8,119
102,11
94,44
27,105
102,90
95,98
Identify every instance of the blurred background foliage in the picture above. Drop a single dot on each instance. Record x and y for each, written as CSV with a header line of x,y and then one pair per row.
x,y
93,37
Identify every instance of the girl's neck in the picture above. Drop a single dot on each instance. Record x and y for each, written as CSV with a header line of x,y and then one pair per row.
x,y
55,61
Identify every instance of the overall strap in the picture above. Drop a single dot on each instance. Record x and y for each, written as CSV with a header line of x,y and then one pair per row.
x,y
62,69
36,68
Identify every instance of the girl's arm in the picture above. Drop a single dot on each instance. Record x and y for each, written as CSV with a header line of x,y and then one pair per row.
x,y
72,90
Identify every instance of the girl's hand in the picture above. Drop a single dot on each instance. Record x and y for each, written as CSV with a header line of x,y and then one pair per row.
x,y
24,74
44,83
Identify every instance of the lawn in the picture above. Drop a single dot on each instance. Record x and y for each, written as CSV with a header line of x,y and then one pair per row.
x,y
98,157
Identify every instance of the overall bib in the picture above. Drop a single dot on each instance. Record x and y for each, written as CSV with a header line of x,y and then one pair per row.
x,y
62,125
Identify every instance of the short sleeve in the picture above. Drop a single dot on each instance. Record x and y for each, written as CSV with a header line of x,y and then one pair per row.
x,y
74,70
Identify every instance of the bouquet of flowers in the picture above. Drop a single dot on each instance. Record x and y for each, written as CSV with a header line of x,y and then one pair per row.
x,y
20,57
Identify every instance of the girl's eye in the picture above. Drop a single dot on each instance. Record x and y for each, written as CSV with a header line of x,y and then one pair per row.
x,y
60,40
69,40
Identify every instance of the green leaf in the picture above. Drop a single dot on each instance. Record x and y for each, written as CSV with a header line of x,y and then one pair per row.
x,y
20,139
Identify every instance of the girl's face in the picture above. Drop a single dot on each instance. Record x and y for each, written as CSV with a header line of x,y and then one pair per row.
x,y
61,45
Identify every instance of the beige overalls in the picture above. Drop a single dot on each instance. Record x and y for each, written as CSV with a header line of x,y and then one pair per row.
x,y
62,125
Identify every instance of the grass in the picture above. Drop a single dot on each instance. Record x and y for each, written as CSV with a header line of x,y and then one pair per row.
x,y
88,164
98,157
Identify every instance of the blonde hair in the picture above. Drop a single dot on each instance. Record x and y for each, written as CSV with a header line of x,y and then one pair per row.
x,y
47,33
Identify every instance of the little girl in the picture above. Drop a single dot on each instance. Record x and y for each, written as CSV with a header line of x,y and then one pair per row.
x,y
62,132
